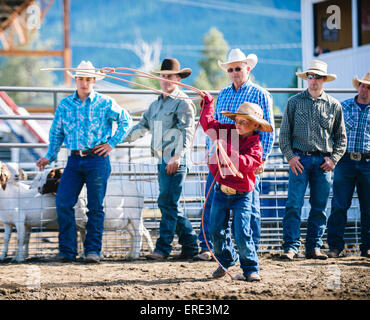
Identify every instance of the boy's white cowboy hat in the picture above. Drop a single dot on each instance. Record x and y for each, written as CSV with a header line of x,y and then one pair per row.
x,y
250,111
317,67
365,79
84,72
236,55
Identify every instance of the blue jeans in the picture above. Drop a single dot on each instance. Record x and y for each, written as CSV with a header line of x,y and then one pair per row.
x,y
173,218
319,182
94,171
241,205
255,217
349,174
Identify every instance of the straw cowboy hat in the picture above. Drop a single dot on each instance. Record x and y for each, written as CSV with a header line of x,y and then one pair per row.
x,y
250,111
317,67
365,79
236,55
172,66
91,74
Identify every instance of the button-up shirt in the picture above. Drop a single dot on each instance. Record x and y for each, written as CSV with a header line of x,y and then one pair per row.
x,y
230,99
313,125
357,126
82,125
171,123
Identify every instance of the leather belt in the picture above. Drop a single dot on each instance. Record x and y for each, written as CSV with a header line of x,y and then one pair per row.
x,y
229,191
313,153
82,153
357,156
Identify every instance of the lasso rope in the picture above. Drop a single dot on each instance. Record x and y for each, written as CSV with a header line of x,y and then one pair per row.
x,y
104,72
217,144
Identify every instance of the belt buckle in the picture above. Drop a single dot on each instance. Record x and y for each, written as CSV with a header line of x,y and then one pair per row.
x,y
227,190
309,153
81,154
355,156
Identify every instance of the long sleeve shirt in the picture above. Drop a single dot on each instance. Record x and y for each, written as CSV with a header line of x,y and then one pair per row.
x,y
244,152
230,99
171,123
357,126
313,125
84,125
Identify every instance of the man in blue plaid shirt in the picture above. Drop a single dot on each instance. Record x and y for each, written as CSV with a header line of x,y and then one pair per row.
x,y
353,170
83,121
242,89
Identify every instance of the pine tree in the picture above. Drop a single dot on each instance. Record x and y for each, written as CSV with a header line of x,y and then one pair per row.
x,y
211,77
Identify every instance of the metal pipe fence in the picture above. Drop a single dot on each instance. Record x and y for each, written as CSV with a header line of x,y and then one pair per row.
x,y
118,241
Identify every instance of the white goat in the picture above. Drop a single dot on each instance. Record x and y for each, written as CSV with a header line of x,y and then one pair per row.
x,y
123,205
24,208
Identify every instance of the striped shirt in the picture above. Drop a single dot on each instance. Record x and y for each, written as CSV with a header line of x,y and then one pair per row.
x,y
313,125
357,126
84,125
230,99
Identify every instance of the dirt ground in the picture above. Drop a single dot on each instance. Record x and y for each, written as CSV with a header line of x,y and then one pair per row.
x,y
343,278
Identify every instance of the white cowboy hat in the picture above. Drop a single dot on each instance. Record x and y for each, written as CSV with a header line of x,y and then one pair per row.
x,y
84,65
317,67
236,55
365,79
250,111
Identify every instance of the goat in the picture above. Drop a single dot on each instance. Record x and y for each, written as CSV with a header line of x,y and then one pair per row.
x,y
123,207
24,208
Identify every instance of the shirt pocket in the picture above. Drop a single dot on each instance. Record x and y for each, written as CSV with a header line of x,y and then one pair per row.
x,y
69,125
95,124
326,121
168,119
350,124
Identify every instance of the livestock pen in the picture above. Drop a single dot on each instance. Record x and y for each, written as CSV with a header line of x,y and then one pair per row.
x,y
133,163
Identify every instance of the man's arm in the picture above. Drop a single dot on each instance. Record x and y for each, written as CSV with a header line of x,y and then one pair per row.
x,y
56,136
339,136
124,123
267,138
140,129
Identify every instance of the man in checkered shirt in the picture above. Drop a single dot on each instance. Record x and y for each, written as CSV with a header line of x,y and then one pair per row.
x,y
353,170
242,89
313,139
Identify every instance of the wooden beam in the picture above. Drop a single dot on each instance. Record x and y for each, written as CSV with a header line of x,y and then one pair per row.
x,y
67,45
14,15
54,53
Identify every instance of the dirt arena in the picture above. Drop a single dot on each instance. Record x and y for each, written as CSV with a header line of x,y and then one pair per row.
x,y
343,278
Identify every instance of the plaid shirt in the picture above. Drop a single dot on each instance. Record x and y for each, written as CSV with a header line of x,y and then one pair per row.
x,y
357,126
84,125
230,99
313,125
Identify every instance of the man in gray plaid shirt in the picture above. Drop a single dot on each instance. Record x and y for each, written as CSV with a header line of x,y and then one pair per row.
x,y
313,139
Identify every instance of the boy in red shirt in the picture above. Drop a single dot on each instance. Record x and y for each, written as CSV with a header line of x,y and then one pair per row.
x,y
233,190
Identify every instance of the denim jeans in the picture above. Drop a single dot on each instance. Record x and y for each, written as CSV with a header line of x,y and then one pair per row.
x,y
94,171
255,217
349,174
319,182
173,218
241,205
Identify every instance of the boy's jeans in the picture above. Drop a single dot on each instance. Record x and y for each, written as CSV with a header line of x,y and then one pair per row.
x,y
241,205
93,170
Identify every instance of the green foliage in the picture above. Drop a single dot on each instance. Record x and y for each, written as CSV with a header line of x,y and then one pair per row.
x,y
211,77
152,83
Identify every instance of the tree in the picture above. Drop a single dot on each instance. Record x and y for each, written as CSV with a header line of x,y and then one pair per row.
x,y
211,77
